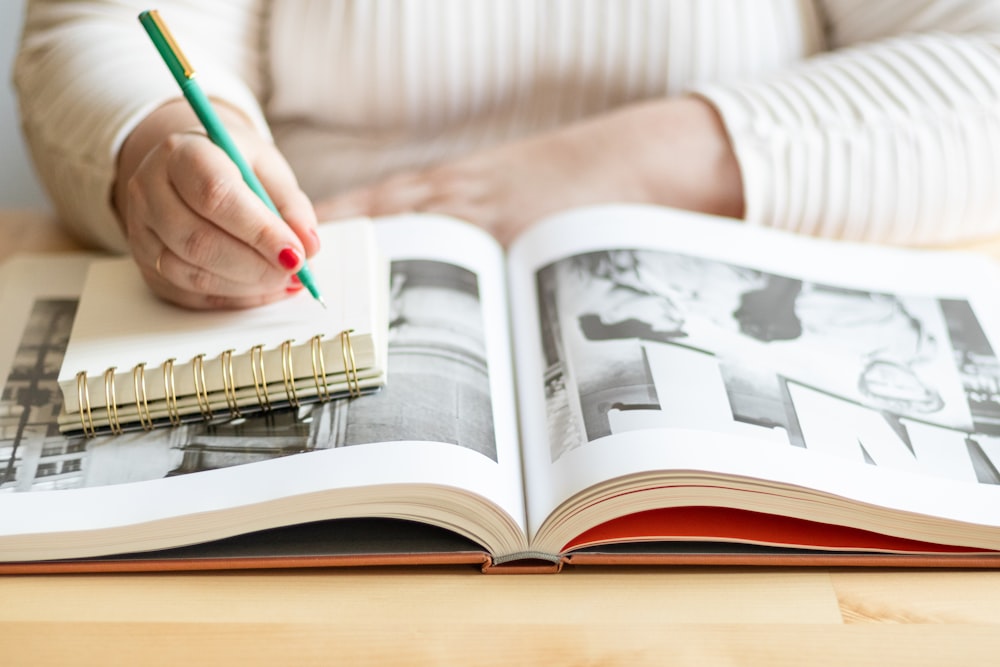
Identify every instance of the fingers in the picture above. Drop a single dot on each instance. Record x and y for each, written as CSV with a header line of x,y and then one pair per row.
x,y
463,190
401,193
293,205
356,203
171,271
174,279
203,238
449,191
211,186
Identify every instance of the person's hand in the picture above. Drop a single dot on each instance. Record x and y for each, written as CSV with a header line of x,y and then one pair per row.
x,y
200,236
673,152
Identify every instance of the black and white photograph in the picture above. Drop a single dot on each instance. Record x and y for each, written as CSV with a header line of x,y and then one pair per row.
x,y
438,391
627,332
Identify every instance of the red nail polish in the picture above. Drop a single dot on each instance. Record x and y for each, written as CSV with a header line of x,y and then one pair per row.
x,y
292,289
295,280
288,258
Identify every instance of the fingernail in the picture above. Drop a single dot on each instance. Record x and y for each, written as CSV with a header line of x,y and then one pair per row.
x,y
314,234
295,280
288,258
292,289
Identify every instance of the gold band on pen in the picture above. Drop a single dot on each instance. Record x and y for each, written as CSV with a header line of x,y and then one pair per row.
x,y
168,37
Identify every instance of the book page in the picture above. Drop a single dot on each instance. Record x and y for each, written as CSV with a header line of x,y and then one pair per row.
x,y
669,345
437,444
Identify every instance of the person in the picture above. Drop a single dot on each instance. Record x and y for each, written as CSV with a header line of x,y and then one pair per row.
x,y
873,121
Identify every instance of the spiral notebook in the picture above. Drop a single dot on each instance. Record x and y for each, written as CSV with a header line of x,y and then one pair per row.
x,y
136,362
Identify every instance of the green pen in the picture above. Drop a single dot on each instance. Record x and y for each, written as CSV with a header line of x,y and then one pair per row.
x,y
184,74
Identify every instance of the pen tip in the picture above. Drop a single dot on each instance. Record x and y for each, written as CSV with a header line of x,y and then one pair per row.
x,y
321,302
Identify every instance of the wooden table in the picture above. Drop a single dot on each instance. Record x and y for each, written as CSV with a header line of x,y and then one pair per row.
x,y
382,616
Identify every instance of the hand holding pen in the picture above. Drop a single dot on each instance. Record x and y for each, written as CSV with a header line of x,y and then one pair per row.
x,y
203,235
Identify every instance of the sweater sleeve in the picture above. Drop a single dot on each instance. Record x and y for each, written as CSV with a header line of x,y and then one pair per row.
x,y
892,135
86,74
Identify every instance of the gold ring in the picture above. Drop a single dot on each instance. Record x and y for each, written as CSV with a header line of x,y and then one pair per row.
x,y
159,270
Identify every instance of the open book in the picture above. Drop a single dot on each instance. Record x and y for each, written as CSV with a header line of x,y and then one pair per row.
x,y
134,361
627,384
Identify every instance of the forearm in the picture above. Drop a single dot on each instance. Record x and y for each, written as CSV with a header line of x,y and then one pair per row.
x,y
672,152
86,75
889,141
683,157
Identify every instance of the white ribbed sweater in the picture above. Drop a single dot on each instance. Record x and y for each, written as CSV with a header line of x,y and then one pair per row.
x,y
861,119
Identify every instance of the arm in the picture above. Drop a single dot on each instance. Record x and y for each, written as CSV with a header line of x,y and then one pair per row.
x,y
890,137
115,145
86,76
893,136
671,151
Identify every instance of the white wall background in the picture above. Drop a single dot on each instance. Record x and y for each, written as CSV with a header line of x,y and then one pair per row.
x,y
19,188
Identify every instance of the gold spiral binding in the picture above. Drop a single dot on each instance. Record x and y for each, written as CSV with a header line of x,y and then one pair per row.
x,y
259,379
229,383
111,401
350,365
83,399
319,368
288,373
144,413
141,403
201,386
170,392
